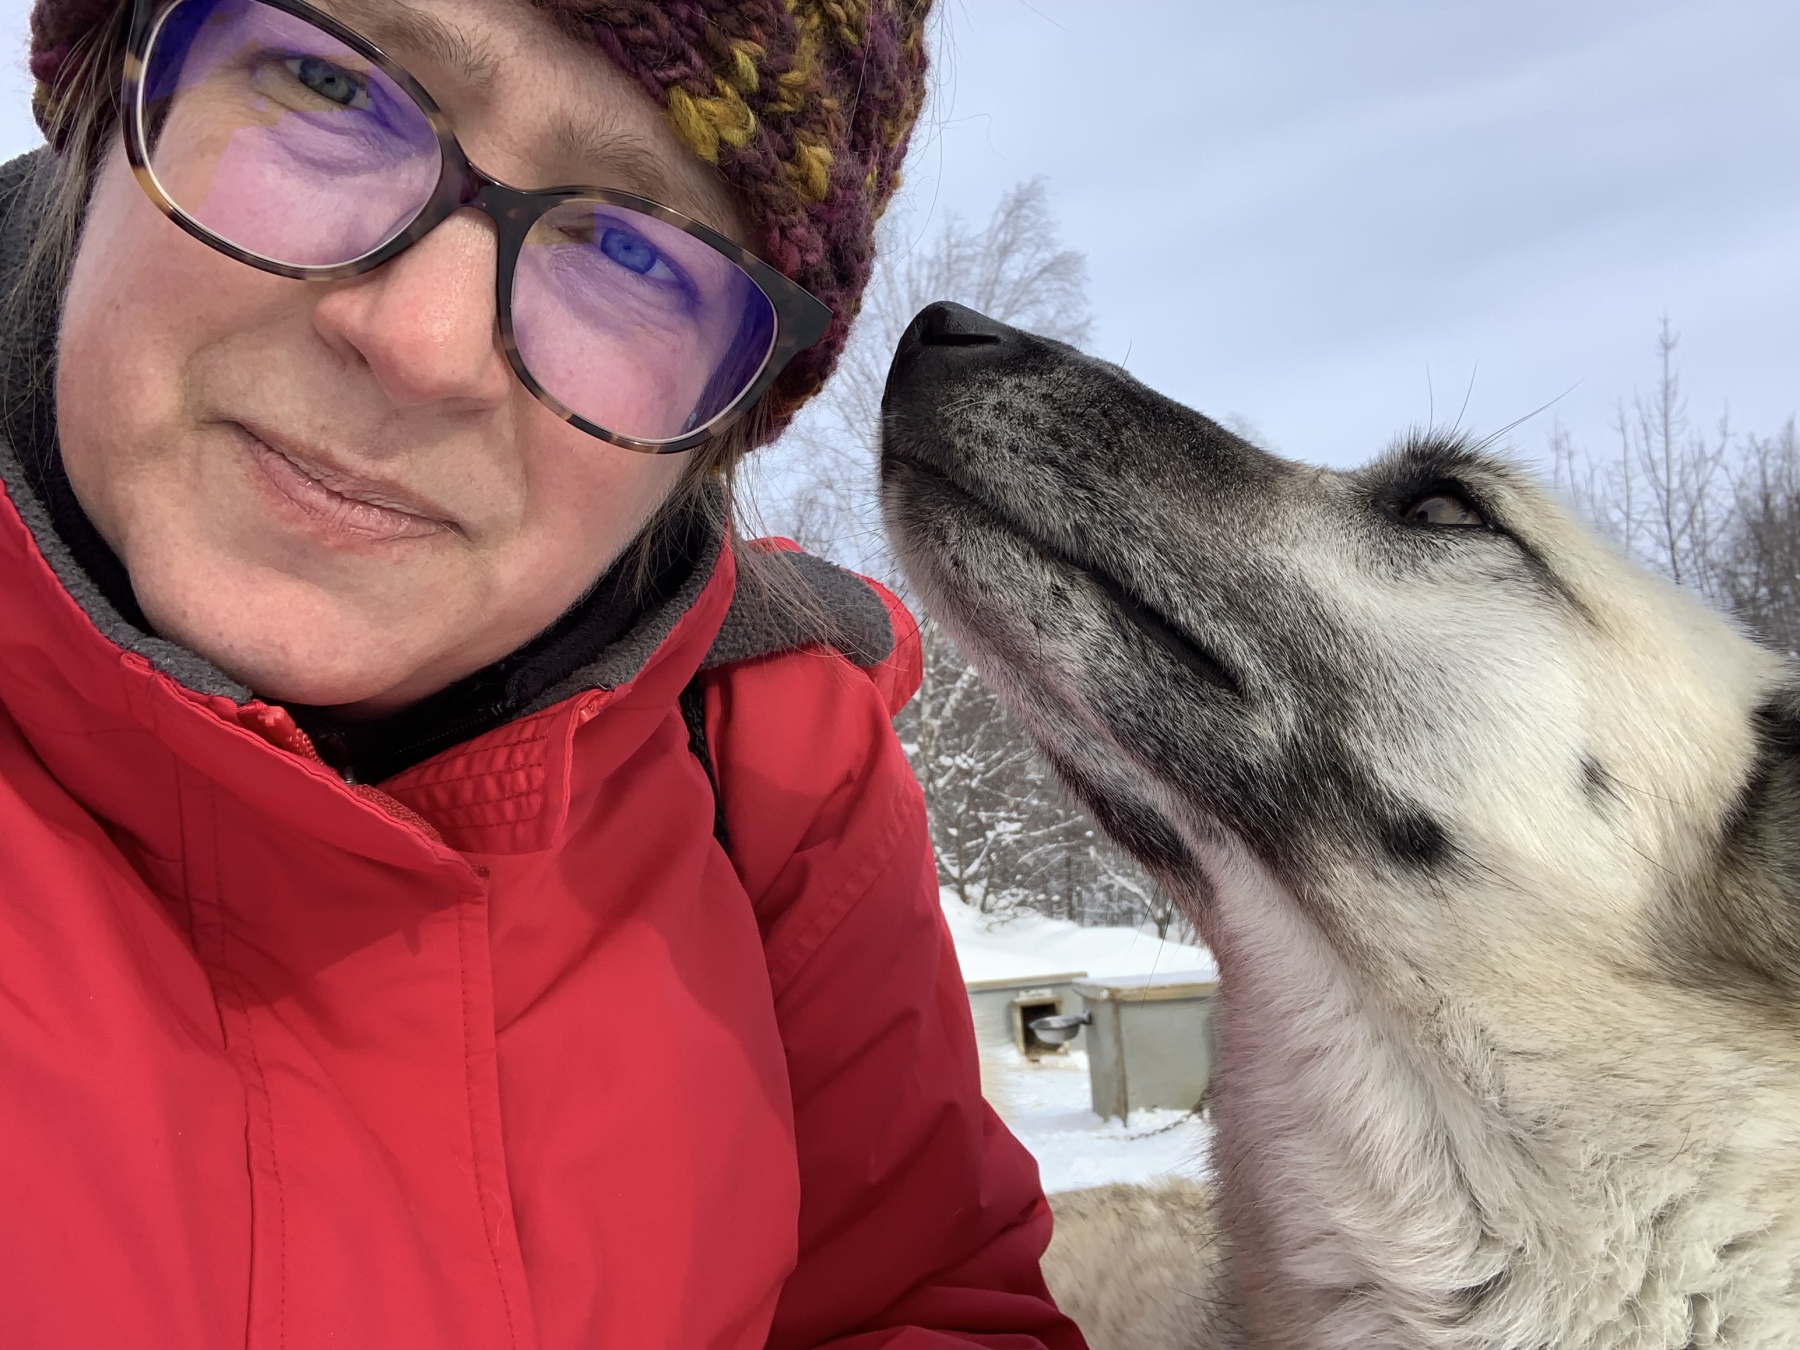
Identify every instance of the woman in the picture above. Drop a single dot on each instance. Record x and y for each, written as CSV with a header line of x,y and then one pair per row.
x,y
451,893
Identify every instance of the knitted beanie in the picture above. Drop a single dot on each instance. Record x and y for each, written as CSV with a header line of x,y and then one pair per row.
x,y
805,107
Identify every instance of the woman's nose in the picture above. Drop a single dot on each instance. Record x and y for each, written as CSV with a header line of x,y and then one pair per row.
x,y
424,323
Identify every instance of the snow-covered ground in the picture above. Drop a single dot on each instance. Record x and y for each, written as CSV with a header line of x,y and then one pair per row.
x,y
1031,945
1047,1102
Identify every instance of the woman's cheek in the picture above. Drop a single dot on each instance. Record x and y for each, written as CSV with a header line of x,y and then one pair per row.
x,y
144,301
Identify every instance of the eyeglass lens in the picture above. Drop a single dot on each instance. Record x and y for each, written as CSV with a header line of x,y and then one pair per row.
x,y
280,140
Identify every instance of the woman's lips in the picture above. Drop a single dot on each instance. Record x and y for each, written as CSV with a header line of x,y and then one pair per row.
x,y
339,505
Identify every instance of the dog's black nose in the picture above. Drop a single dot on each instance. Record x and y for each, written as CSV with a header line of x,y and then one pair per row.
x,y
939,326
950,325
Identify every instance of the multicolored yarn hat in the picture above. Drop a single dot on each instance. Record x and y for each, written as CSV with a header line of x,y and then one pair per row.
x,y
805,106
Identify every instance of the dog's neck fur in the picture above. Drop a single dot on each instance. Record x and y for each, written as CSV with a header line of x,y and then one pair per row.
x,y
1497,1217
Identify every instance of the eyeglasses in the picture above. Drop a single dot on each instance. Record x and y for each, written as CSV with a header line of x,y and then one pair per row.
x,y
270,131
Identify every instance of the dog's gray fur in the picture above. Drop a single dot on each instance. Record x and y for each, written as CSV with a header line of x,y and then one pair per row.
x,y
1496,838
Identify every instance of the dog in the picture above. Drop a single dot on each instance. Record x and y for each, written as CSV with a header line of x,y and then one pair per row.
x,y
1495,837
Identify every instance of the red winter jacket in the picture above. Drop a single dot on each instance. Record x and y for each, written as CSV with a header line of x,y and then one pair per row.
x,y
508,1053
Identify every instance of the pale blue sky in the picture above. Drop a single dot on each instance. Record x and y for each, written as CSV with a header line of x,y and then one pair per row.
x,y
1323,215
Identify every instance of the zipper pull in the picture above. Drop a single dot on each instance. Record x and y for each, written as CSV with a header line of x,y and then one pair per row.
x,y
277,726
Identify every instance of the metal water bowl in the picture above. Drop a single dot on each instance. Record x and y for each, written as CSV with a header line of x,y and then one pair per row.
x,y
1060,1030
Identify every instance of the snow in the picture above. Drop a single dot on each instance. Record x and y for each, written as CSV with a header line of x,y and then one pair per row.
x,y
1030,945
1046,1102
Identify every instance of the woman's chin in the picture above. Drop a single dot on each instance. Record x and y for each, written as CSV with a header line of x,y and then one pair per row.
x,y
303,654
354,700
325,683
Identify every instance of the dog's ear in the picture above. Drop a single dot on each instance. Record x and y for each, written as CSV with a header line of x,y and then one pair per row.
x,y
1749,910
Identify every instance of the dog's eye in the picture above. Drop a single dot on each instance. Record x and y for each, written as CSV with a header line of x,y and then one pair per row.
x,y
1442,508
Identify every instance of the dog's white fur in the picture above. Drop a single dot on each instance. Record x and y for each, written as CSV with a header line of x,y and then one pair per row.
x,y
1539,1088
1625,1153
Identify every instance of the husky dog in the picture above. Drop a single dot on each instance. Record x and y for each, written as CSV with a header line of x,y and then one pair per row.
x,y
1496,839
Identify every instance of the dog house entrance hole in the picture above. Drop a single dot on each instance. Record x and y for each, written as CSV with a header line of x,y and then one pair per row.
x,y
1026,1008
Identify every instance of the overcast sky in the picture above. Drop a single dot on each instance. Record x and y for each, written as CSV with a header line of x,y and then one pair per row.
x,y
1329,217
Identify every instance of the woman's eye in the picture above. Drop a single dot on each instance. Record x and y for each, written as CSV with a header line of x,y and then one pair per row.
x,y
631,251
1442,508
329,81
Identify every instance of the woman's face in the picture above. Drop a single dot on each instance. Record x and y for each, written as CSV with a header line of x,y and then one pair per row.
x,y
338,491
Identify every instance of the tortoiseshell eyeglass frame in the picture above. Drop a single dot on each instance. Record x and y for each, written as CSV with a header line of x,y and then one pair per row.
x,y
800,318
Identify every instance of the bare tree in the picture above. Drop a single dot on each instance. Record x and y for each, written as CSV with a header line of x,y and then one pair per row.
x,y
975,769
1666,496
1758,556
1720,514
